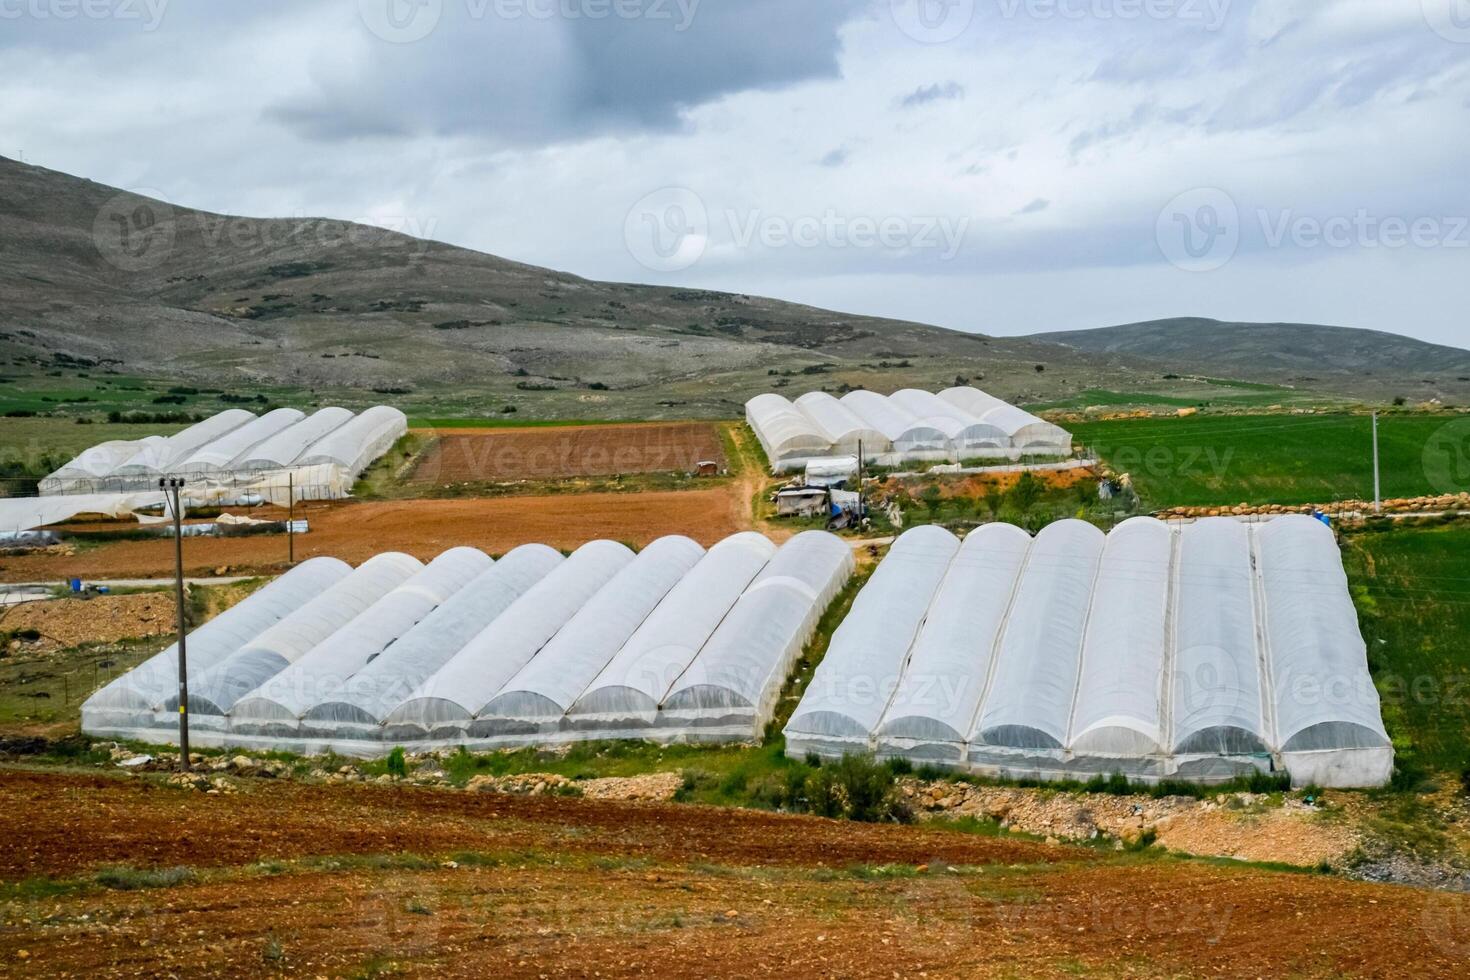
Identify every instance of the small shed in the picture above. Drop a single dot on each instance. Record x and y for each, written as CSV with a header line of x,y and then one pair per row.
x,y
802,502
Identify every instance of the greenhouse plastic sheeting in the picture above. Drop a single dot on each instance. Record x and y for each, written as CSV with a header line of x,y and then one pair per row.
x,y
732,685
445,704
465,652
935,706
845,432
276,706
788,436
1201,651
537,697
160,457
356,443
866,658
219,687
1030,702
1328,720
230,456
628,691
219,455
909,425
358,708
134,699
286,446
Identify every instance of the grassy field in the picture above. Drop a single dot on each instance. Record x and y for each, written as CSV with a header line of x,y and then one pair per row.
x,y
1188,393
1412,588
1209,460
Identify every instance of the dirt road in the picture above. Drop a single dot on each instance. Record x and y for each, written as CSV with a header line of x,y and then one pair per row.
x,y
355,531
368,881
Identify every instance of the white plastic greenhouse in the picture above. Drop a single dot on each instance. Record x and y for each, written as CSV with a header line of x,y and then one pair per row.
x,y
673,644
1199,652
317,456
958,424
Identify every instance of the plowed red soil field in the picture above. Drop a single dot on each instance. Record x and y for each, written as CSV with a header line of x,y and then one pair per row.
x,y
481,455
285,878
356,531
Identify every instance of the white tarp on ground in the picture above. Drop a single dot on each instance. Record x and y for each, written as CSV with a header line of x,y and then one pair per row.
x,y
1200,652
673,644
321,455
25,513
909,425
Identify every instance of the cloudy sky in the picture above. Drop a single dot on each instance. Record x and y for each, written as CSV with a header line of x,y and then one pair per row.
x,y
1006,166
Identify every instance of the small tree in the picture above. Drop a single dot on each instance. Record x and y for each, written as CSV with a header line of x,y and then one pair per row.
x,y
1027,492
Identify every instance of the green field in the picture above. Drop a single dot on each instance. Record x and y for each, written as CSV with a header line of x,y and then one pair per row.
x,y
1412,589
1207,460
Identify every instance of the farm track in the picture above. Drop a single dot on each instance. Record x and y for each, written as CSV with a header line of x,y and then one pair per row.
x,y
567,887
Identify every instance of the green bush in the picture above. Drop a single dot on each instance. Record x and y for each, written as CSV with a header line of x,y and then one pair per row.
x,y
397,765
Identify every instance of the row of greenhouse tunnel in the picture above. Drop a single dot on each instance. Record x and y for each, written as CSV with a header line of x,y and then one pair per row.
x,y
1199,651
674,642
955,425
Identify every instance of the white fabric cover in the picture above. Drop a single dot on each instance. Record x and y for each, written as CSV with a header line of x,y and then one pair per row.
x,y
1027,432
545,688
26,513
289,694
737,676
145,687
219,687
1119,711
939,697
385,682
788,436
222,452
630,688
159,458
283,448
461,689
1029,706
356,443
844,430
1324,696
851,687
1216,689
966,431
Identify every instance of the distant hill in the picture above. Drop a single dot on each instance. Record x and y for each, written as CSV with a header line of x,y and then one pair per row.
x,y
97,281
1273,351
93,274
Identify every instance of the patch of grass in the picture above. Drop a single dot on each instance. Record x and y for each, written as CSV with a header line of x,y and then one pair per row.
x,y
1213,460
1410,587
128,879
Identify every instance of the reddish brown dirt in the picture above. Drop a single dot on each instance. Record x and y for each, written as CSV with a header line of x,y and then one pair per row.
x,y
480,455
355,531
577,888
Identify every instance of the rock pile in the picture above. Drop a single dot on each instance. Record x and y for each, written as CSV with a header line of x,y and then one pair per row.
x,y
1451,502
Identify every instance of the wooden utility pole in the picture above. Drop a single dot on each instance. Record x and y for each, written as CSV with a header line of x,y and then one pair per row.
x,y
290,518
171,487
